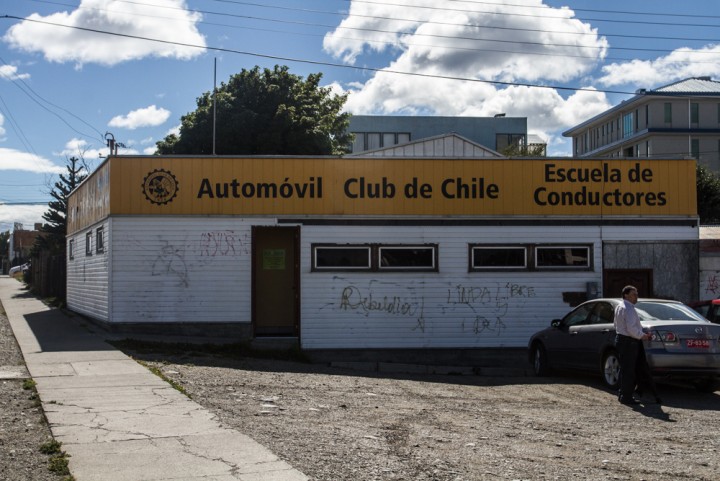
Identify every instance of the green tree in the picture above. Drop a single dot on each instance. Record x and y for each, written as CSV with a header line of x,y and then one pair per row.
x,y
55,229
708,196
268,112
4,246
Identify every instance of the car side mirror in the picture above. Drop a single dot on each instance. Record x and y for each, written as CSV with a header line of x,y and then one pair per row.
x,y
555,323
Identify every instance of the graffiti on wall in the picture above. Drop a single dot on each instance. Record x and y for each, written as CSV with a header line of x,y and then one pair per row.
x,y
177,258
171,263
223,243
476,309
483,308
711,285
401,302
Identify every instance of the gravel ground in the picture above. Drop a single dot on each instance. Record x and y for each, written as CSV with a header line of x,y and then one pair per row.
x,y
338,425
23,428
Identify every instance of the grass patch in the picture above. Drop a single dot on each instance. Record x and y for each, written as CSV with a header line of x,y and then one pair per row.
x,y
177,386
29,384
51,447
58,462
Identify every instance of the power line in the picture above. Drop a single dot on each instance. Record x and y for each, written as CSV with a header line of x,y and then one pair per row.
x,y
393,32
623,12
515,14
35,96
320,63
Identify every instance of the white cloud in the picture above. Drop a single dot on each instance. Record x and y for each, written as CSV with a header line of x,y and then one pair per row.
x,y
2,129
548,46
11,159
147,117
173,130
150,150
10,72
679,64
483,40
62,44
26,214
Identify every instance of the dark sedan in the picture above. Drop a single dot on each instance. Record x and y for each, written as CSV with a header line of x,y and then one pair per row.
x,y
684,345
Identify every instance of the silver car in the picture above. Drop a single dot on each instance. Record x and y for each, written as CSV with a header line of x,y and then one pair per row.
x,y
684,345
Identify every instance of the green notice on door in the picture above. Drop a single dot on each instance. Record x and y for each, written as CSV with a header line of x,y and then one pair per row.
x,y
273,259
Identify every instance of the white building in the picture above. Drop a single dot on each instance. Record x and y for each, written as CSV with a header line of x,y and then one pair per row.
x,y
373,252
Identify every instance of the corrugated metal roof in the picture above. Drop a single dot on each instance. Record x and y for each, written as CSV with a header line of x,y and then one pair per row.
x,y
699,85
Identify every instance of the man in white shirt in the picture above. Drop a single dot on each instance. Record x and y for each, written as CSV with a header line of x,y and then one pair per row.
x,y
628,341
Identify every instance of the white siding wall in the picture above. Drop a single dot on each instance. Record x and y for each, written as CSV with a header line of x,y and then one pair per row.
x,y
449,308
88,275
182,269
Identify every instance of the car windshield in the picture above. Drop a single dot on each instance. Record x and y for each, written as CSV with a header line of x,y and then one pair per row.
x,y
654,311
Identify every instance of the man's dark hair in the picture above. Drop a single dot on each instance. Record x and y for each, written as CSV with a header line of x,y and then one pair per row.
x,y
628,289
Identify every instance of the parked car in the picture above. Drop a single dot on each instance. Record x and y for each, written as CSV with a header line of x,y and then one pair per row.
x,y
684,345
709,309
17,270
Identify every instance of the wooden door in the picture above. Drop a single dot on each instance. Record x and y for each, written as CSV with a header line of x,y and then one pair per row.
x,y
276,281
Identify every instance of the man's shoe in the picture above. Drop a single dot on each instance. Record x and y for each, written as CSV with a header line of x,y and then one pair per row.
x,y
630,402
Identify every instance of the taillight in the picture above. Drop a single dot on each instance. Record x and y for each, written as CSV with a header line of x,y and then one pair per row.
x,y
664,336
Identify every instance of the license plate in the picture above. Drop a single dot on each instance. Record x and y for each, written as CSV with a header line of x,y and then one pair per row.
x,y
701,343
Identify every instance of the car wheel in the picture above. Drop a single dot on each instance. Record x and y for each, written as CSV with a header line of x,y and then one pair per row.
x,y
540,361
611,369
707,385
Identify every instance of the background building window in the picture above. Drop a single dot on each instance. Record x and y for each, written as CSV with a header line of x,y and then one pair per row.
x,y
695,148
88,244
71,249
503,141
694,113
667,111
627,125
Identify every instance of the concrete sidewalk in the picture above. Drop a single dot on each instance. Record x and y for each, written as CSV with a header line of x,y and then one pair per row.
x,y
115,419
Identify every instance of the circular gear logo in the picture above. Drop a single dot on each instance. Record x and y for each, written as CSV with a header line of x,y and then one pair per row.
x,y
160,186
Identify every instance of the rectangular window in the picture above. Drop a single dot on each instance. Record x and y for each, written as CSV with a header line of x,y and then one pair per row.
x,y
88,244
341,257
373,141
99,240
667,112
388,139
562,257
498,257
509,141
359,142
718,113
694,113
628,125
695,148
403,138
407,257
71,249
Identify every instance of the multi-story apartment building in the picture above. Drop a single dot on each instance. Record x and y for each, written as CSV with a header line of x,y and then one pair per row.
x,y
374,132
674,121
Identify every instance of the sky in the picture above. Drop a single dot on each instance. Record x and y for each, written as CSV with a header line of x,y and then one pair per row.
x,y
74,73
